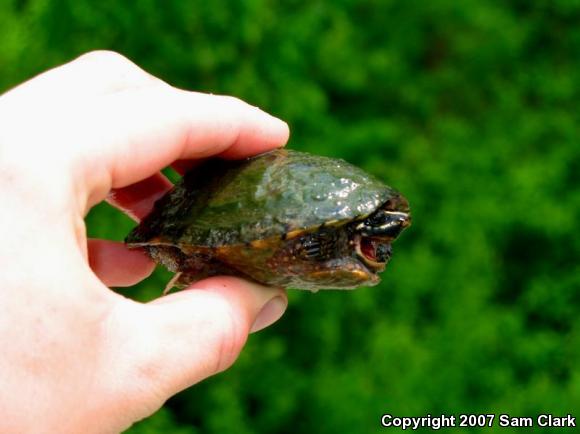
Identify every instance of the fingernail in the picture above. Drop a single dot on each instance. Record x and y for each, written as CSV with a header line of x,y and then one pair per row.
x,y
270,313
275,126
282,126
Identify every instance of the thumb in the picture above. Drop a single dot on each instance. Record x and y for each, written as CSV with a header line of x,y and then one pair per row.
x,y
178,340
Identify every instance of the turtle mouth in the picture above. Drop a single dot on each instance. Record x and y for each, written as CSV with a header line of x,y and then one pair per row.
x,y
375,252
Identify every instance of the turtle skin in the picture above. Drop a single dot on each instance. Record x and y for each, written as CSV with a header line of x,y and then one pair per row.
x,y
258,218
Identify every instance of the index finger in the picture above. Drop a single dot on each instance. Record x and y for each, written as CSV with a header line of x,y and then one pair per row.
x,y
141,131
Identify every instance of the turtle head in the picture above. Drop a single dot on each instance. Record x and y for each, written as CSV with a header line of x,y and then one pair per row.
x,y
346,256
373,235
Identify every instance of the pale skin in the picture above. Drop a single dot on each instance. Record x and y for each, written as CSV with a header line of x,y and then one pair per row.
x,y
76,356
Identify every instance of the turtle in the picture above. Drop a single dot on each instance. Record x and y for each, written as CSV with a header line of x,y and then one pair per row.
x,y
282,218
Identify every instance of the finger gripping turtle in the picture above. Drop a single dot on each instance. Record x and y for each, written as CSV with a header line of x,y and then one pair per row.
x,y
283,218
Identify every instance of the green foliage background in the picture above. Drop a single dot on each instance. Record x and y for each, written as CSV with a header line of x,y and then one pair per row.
x,y
468,107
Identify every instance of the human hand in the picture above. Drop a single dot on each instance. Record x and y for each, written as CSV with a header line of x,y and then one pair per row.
x,y
76,356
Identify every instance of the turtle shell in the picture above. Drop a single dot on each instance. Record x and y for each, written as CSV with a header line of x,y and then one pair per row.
x,y
223,202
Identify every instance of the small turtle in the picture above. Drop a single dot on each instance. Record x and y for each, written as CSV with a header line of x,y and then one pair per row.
x,y
283,218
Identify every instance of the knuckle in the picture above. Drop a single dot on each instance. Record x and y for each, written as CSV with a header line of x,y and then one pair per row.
x,y
235,102
226,336
106,58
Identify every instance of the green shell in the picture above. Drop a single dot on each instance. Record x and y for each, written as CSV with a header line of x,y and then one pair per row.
x,y
223,202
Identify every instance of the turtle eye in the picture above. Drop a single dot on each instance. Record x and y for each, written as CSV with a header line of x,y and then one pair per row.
x,y
377,219
385,224
389,229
